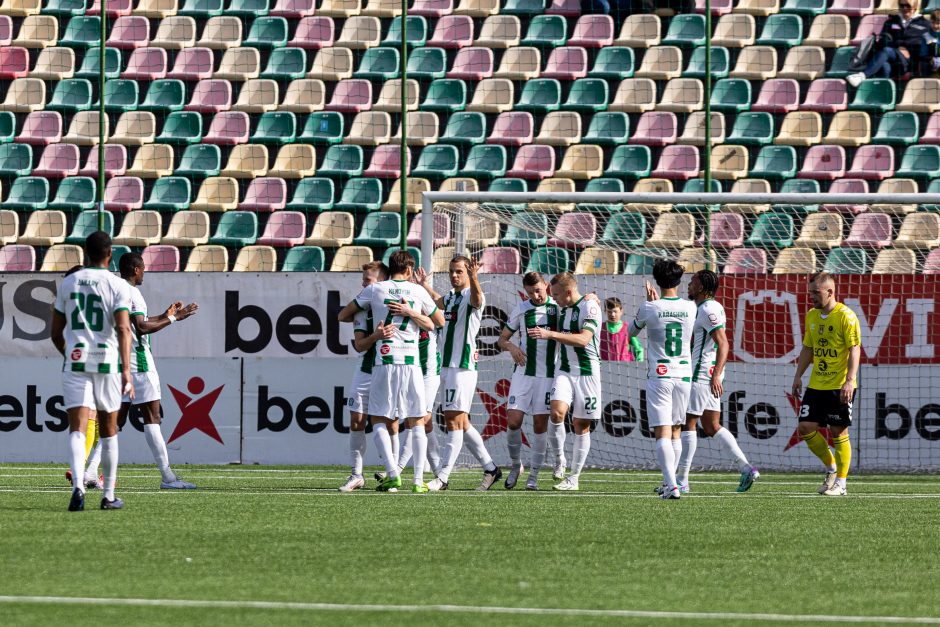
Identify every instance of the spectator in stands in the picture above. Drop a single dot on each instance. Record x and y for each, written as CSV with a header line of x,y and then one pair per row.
x,y
616,343
901,48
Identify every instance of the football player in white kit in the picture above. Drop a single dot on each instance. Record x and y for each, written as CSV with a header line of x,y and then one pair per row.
x,y
709,356
91,329
669,322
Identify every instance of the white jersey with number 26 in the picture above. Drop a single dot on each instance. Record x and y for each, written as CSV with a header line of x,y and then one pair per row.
x,y
668,323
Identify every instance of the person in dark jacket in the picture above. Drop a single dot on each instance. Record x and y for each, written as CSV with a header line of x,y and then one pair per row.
x,y
901,46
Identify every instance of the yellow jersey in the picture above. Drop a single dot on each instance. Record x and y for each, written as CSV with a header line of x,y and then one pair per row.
x,y
830,336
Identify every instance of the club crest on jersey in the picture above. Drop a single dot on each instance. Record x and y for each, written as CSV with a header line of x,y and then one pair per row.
x,y
661,370
476,356
386,349
713,318
76,354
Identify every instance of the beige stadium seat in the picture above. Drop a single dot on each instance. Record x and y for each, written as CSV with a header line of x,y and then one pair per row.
x,y
821,230
158,9
360,32
921,95
304,95
661,63
640,31
239,64
20,8
84,129
390,96
520,63
634,95
499,31
735,31
887,7
800,128
257,96
152,161
332,229
422,129
62,258
804,63
682,95
351,258
556,185
175,33
381,8
673,230
246,161
760,8
756,63
332,64
44,228
829,31
492,95
651,185
9,227
693,259
582,161
54,64
370,128
217,193
560,128
135,128
440,261
37,31
188,228
795,261
849,128
477,8
221,32
896,186
729,162
25,95
295,161
694,132
207,258
919,230
256,259
459,184
340,8
748,186
597,261
416,187
481,231
895,261
140,228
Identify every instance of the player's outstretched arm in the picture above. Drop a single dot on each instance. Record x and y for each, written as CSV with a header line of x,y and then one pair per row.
x,y
579,340
423,279
122,324
58,331
174,313
476,290
804,362
364,341
721,359
505,343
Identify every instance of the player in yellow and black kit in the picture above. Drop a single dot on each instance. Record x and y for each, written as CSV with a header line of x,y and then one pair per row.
x,y
832,344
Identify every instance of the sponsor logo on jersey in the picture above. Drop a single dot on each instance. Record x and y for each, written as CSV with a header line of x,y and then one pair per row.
x,y
711,370
661,370
823,342
76,354
713,318
386,349
476,356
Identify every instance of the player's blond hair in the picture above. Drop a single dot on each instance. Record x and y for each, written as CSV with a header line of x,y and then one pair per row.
x,y
822,278
565,280
376,266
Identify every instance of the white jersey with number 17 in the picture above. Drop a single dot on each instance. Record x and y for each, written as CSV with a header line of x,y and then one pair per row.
x,y
461,325
668,323
402,347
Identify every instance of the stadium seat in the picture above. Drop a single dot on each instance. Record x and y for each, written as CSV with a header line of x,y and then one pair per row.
x,y
217,193
75,193
661,63
512,128
847,261
221,32
129,32
540,95
847,186
64,8
566,63
228,128
895,261
640,31
342,161
611,129
417,32
849,128
181,127
124,193
165,95
775,162
920,162
597,261
257,95
36,31
931,263
582,161
55,64
44,228
492,95
28,193
115,161
121,95
390,96
294,161
778,95
201,8
829,31
682,95
795,261
239,64
673,231
726,230
694,132
314,33
140,228
638,263
324,127
256,259
734,95
804,63
634,95
58,161
246,161
152,161
630,162
350,96
757,129
86,223
304,96
437,162
286,64
677,162
729,162
919,231
265,194
821,231
533,161
170,193
613,62
720,63
207,258
351,258
332,64
9,227
759,8
560,128
276,128
593,31
361,195
823,162
875,94
24,95
236,229
187,228
304,259
175,33
15,160
587,95
921,95
574,230
526,230
685,30
14,62
499,31
524,7
694,259
550,260
756,63
340,8
379,64
81,32
62,257
191,64
284,229
870,230
271,32
750,186
386,162
781,30
431,63
204,160
380,229
873,162
773,231
484,162
135,128
746,261
624,230
734,31
826,95
161,258
465,129
313,194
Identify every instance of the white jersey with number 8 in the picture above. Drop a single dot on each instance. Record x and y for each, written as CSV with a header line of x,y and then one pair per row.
x,y
668,323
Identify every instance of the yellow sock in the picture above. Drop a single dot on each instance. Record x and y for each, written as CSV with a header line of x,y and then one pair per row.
x,y
843,455
91,437
817,444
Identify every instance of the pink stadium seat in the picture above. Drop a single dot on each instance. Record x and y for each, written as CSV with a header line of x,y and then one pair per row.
x,y
14,62
727,230
129,32
656,128
566,63
161,258
593,31
284,228
719,7
575,230
568,8
931,263
124,193
441,230
499,260
778,95
452,31
146,64
267,193
17,258
41,128
854,8
114,8
870,230
533,162
823,163
58,161
351,95
115,161
193,64
746,261
211,96
847,186
432,8
293,9
6,32
870,25
873,162
512,128
932,132
228,128
826,95
678,162
386,162
472,64
313,33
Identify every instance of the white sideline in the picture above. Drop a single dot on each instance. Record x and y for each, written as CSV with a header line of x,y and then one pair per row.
x,y
467,609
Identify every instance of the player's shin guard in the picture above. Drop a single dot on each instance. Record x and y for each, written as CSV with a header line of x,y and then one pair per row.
x,y
109,465
666,457
579,453
820,448
383,442
157,445
77,459
451,452
843,455
419,447
357,450
731,446
514,443
539,444
476,447
689,444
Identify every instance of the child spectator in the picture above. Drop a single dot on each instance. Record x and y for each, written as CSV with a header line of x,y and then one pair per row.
x,y
616,343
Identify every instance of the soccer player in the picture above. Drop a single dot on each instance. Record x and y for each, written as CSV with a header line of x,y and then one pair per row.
x,y
463,314
533,376
91,329
577,384
366,335
397,383
832,344
709,356
669,321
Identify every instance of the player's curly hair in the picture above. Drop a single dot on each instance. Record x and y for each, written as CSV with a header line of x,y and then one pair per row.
x,y
709,281
667,273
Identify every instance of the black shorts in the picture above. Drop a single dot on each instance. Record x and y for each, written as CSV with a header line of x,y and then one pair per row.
x,y
824,407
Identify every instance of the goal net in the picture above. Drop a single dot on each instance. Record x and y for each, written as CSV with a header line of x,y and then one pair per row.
x,y
764,247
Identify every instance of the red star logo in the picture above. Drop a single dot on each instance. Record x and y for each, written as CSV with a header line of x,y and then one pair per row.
x,y
795,438
196,410
496,409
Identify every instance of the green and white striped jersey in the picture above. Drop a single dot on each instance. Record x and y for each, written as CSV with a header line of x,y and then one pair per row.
x,y
362,322
461,326
141,357
710,316
428,355
541,356
668,323
582,315
401,348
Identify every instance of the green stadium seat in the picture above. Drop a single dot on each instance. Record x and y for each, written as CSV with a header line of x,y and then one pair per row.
x,y
805,7
465,128
412,250
437,162
932,188
639,264
237,229
91,64
121,95
775,162
898,128
697,186
772,231
605,185
117,251
247,8
165,95
502,185
549,260
342,161
322,127
28,193
540,95
610,128
75,193
170,193
202,160
304,259
614,62
731,95
417,33
546,31
64,8
587,95
361,195
720,63
266,33
686,30
527,229
485,161
380,229
86,223
798,186
524,7
275,127
8,125
427,64
445,94
841,60
181,127
201,9
920,162
782,30
847,261
624,229
82,32
630,162
875,94
16,159
313,194
71,95
752,129
286,64
379,64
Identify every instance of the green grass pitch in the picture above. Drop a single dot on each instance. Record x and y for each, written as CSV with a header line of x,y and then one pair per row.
x,y
254,541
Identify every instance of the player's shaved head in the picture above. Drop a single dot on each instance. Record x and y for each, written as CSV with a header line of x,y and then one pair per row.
x,y
532,279
667,273
565,280
822,279
400,262
98,247
129,263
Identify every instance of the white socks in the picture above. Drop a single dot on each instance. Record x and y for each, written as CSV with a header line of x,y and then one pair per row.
x,y
434,451
77,459
666,457
451,452
514,442
404,453
582,445
731,445
478,449
419,446
94,460
537,453
689,444
383,442
556,431
109,464
395,446
676,450
158,447
357,450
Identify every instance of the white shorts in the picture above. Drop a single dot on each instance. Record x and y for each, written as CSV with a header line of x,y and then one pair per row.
x,y
432,382
397,392
101,392
667,401
701,400
531,395
460,386
146,388
358,399
581,393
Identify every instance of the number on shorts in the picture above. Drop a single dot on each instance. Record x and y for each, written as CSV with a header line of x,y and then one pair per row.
x,y
449,395
804,411
88,312
673,339
590,404
548,398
